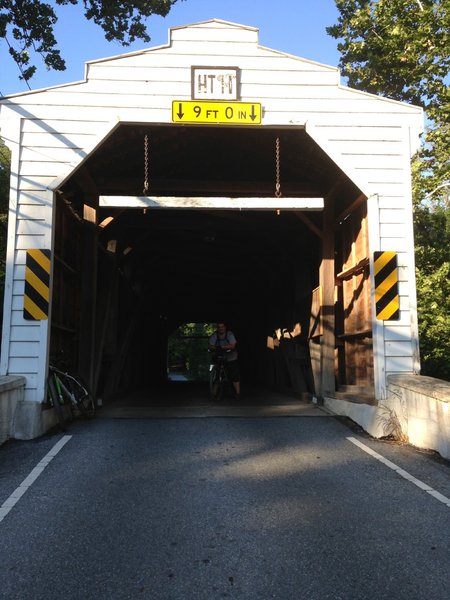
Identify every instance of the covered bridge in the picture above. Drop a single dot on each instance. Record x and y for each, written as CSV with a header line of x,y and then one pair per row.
x,y
210,179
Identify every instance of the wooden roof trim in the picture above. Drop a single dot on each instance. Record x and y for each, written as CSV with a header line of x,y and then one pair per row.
x,y
353,206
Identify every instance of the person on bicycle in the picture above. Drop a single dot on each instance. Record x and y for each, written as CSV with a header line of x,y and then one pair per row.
x,y
223,340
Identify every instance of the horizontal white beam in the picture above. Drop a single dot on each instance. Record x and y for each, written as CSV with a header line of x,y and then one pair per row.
x,y
188,202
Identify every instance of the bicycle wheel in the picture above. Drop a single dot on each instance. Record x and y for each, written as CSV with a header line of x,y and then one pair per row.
x,y
84,401
55,401
215,389
86,406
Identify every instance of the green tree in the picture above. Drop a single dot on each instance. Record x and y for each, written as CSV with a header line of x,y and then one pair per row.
x,y
5,167
432,227
187,351
28,26
400,49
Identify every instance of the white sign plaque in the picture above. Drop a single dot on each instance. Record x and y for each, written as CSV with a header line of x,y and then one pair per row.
x,y
215,83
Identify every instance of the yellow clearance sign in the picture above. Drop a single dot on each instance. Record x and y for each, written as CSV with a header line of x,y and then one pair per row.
x,y
237,113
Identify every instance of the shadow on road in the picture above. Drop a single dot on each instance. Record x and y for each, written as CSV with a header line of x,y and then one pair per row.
x,y
191,399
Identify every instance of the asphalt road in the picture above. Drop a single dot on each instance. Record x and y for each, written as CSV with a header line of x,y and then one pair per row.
x,y
224,507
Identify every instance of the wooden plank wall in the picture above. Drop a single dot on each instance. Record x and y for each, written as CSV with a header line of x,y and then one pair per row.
x,y
53,130
66,286
354,331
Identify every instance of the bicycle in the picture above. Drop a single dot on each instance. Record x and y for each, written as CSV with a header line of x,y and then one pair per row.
x,y
218,377
65,390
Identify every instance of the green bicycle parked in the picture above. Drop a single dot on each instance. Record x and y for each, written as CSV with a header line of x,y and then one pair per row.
x,y
68,395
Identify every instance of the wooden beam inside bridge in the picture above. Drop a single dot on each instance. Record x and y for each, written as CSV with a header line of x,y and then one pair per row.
x,y
191,202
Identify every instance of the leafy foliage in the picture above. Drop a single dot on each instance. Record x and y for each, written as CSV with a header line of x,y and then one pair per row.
x,y
432,225
187,350
400,48
434,311
433,237
28,26
397,48
5,164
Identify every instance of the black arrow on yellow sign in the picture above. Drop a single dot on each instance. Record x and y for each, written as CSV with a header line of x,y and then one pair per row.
x,y
217,112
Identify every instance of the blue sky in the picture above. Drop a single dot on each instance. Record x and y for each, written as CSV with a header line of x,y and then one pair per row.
x,y
293,26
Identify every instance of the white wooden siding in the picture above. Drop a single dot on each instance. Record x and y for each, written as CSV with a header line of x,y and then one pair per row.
x,y
393,215
394,333
27,365
25,334
393,202
215,30
394,244
23,349
37,140
286,100
73,128
36,184
368,136
327,118
364,133
173,74
399,364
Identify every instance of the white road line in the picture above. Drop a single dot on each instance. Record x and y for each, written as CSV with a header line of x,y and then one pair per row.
x,y
28,481
420,484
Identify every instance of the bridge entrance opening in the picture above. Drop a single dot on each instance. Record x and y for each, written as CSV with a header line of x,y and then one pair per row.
x,y
292,284
187,352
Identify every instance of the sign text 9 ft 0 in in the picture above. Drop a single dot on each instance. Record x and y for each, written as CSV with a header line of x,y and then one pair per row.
x,y
239,113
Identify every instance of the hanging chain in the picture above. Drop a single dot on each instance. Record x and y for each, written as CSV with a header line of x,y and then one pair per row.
x,y
146,184
277,169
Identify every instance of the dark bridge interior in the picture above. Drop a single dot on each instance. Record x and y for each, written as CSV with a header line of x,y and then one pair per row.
x,y
125,278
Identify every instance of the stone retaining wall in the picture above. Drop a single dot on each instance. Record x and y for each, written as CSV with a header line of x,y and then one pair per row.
x,y
21,419
11,393
416,407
